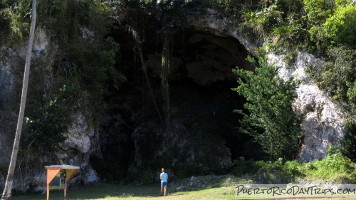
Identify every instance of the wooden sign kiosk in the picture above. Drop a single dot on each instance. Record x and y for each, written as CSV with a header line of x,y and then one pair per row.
x,y
58,177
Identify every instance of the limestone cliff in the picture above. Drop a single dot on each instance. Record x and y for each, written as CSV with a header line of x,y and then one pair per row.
x,y
80,140
323,123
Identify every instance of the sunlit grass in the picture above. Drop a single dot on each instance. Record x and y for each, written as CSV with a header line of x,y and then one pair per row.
x,y
133,192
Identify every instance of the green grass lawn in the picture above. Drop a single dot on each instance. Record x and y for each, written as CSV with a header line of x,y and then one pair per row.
x,y
133,192
111,192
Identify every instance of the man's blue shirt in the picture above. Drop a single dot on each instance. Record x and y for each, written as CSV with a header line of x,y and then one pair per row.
x,y
164,177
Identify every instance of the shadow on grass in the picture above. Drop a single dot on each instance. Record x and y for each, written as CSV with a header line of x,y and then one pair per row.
x,y
98,191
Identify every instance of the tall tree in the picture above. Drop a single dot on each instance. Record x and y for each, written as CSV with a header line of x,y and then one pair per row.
x,y
10,174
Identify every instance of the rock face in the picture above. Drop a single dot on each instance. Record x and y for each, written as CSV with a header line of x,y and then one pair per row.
x,y
6,84
213,23
80,143
80,140
323,121
7,116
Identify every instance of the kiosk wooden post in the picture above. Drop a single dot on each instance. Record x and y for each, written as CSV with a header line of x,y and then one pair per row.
x,y
58,177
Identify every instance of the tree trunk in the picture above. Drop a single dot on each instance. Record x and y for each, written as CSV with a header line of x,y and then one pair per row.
x,y
10,174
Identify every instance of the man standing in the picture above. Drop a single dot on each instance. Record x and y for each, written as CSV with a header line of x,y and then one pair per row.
x,y
164,182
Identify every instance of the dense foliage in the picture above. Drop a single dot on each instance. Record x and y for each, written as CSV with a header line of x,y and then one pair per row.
x,y
270,118
337,76
47,122
14,19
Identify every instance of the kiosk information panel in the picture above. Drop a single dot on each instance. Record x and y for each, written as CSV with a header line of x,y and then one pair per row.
x,y
58,177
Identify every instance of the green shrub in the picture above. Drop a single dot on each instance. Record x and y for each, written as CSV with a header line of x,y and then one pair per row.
x,y
340,27
337,76
14,19
277,172
271,119
318,10
46,121
333,167
261,21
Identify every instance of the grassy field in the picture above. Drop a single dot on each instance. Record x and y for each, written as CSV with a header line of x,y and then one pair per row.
x,y
128,192
132,192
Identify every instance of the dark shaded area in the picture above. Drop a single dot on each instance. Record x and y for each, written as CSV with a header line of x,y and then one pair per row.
x,y
202,104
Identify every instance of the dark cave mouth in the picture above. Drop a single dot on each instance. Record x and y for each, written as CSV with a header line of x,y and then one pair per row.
x,y
202,102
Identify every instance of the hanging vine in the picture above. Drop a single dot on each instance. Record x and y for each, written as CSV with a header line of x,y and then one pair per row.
x,y
138,45
165,70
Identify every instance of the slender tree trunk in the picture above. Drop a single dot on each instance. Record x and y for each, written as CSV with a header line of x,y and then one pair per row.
x,y
10,174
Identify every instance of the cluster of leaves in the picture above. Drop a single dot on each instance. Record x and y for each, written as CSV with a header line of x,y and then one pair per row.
x,y
281,20
331,22
317,23
47,121
14,19
270,118
337,76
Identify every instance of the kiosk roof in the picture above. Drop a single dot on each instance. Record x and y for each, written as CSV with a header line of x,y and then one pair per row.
x,y
62,166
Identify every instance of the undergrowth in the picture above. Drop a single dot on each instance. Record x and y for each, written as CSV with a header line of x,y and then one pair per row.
x,y
334,168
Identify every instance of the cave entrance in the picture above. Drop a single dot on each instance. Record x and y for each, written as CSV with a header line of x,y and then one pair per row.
x,y
204,128
201,80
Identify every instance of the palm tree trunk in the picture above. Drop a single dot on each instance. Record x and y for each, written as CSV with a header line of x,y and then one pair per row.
x,y
10,174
